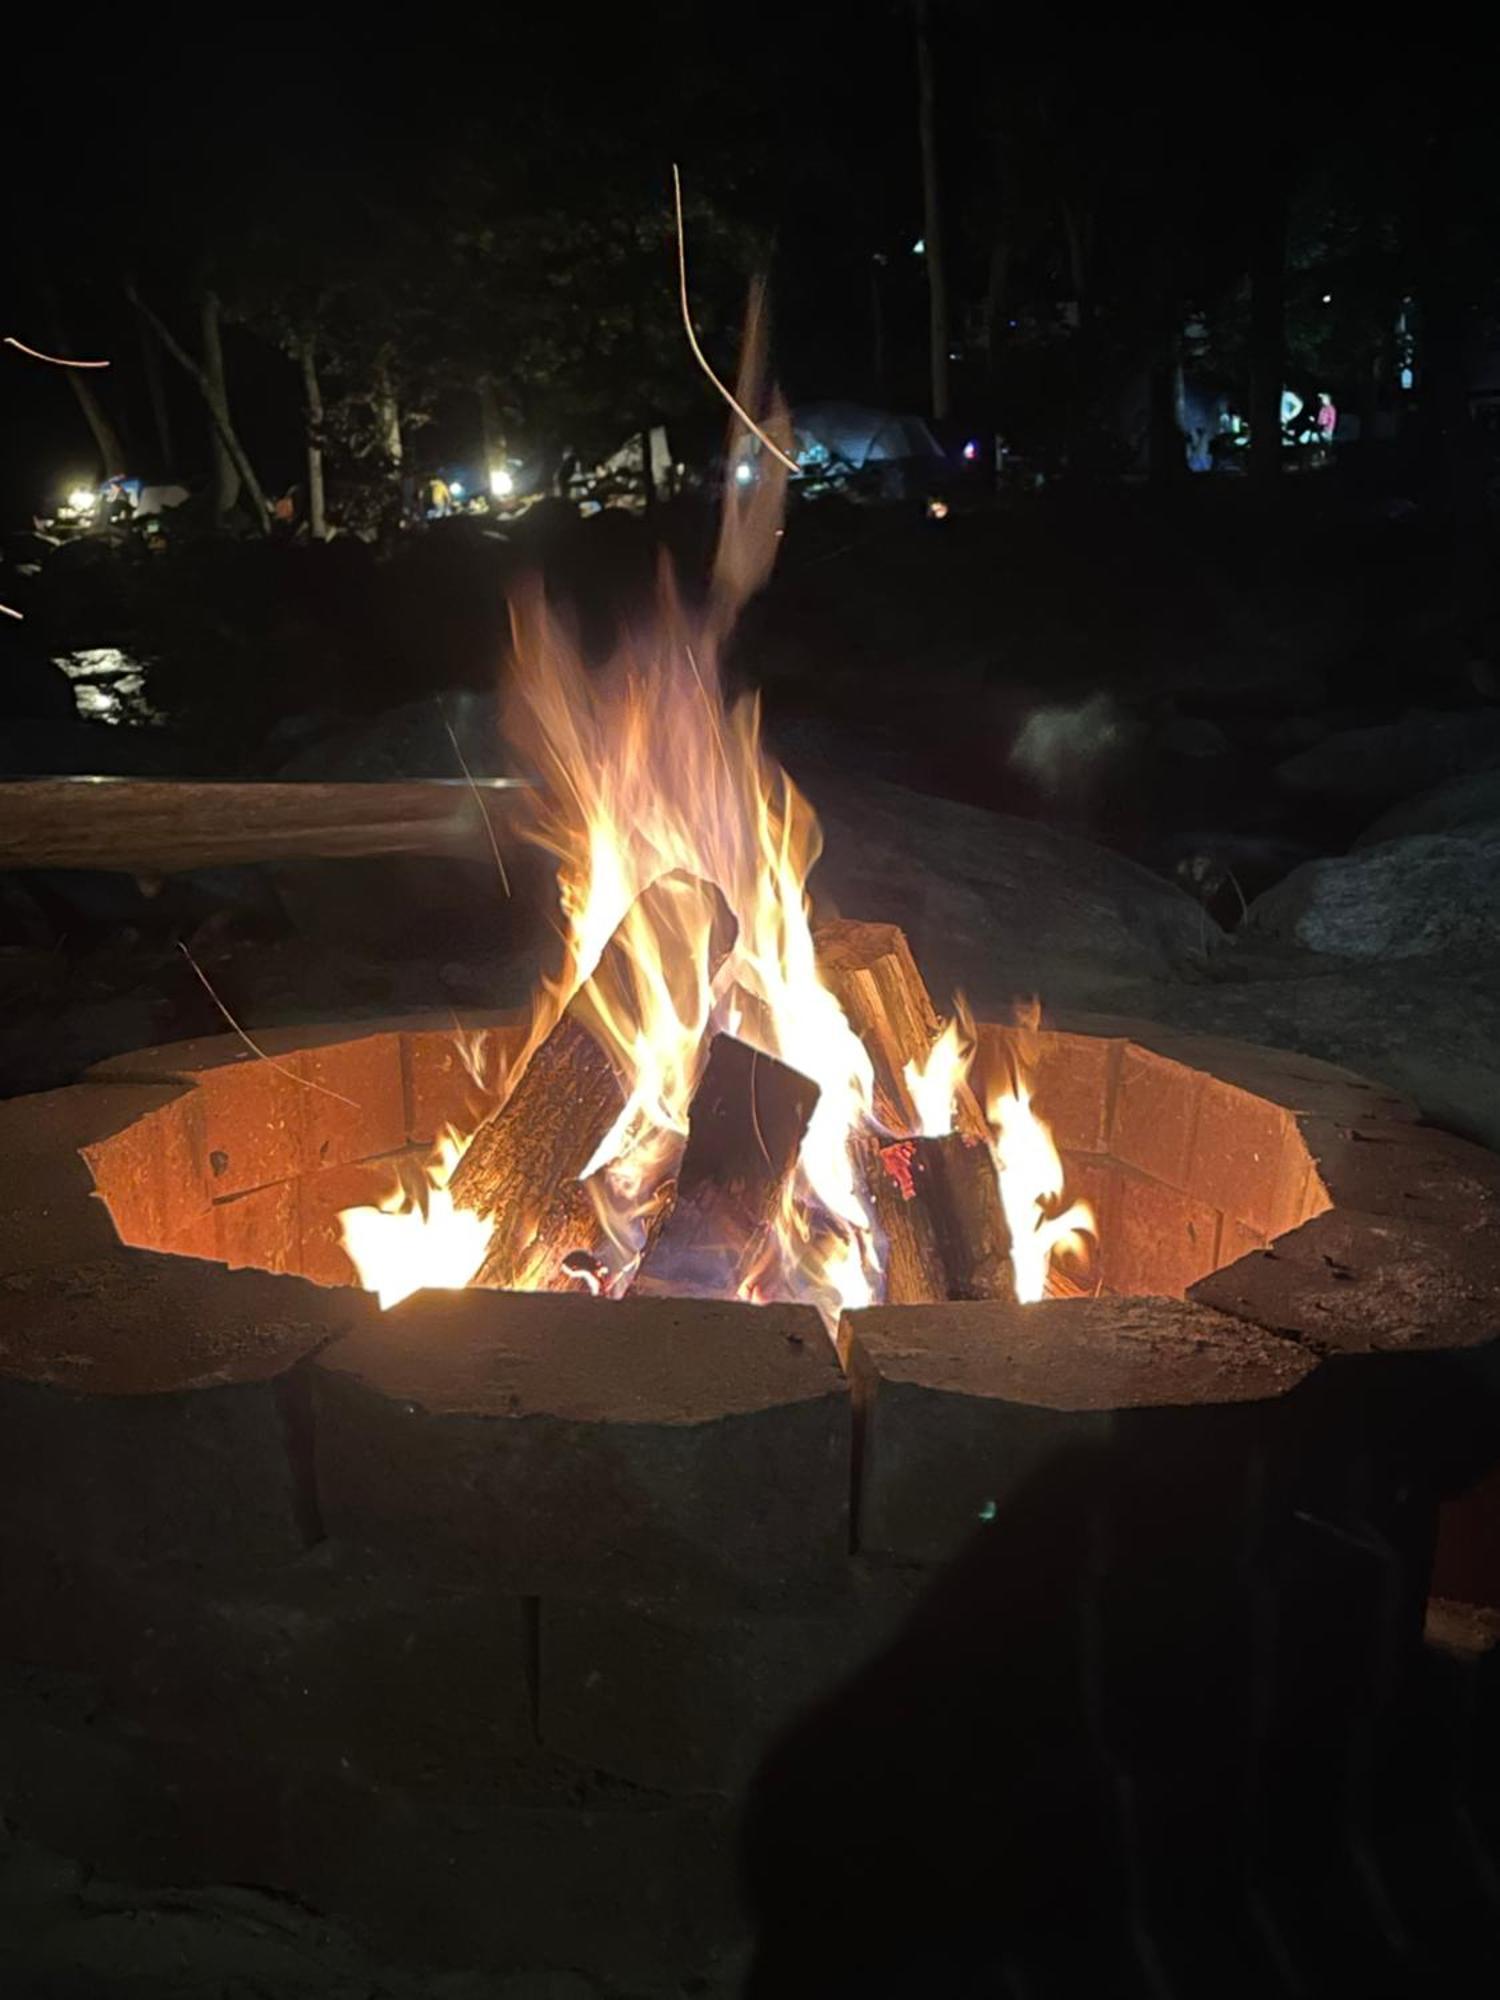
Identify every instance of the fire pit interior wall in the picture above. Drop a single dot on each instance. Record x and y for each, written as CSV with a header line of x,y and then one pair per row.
x,y
468,1622
1184,1171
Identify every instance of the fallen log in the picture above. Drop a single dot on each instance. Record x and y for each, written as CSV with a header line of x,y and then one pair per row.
x,y
162,826
746,1127
870,971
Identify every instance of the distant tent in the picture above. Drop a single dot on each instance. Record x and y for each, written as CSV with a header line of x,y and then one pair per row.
x,y
853,436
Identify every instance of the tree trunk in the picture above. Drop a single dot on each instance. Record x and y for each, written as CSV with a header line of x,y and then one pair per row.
x,y
932,217
227,481
106,437
218,408
312,413
388,425
1267,313
491,428
156,390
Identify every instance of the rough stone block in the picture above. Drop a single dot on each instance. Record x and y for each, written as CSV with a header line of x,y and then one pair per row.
x,y
1159,1240
329,1666
85,1168
1155,1115
549,1441
1411,1172
141,1414
260,1230
1248,1160
455,1073
685,1701
956,1405
326,1096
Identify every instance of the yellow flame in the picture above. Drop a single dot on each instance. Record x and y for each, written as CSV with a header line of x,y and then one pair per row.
x,y
935,1083
661,808
404,1246
1031,1177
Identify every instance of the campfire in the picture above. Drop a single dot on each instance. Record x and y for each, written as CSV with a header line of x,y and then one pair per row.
x,y
719,1095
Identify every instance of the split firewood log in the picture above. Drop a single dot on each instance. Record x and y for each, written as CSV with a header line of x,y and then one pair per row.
x,y
745,1130
523,1165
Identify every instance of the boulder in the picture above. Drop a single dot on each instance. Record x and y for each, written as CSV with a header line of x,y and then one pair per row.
x,y
1460,804
1394,759
1432,895
1000,906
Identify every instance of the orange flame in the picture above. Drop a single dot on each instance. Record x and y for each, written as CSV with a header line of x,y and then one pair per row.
x,y
650,779
1031,1176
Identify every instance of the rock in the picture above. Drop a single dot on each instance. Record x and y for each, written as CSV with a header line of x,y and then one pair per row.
x,y
1459,804
1192,736
1000,906
1394,759
1427,896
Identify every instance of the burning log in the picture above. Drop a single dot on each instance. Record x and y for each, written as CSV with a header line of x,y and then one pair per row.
x,y
955,1181
523,1165
937,1203
870,971
746,1128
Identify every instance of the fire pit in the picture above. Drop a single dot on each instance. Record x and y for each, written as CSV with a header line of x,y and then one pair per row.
x,y
718,1305
585,1553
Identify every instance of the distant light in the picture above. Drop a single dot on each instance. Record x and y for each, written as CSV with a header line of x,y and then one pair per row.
x,y
971,450
1407,378
1328,298
937,510
502,485
455,487
744,472
919,248
81,499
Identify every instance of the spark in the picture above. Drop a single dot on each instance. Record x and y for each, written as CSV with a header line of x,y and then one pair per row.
x,y
699,356
11,612
55,360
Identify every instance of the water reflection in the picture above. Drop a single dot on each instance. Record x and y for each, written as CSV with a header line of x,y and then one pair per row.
x,y
109,685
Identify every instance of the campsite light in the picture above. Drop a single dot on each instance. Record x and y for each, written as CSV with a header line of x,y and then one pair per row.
x,y
937,510
456,488
744,472
81,500
919,248
502,485
971,450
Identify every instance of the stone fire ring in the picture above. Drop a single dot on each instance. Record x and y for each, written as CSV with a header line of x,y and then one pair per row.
x,y
190,1387
169,1230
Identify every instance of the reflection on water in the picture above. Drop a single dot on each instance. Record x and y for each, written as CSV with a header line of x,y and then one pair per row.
x,y
108,685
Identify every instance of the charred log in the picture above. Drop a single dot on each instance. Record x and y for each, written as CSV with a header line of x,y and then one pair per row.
x,y
746,1128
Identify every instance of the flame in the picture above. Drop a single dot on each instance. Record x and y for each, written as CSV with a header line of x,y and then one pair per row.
x,y
935,1084
1030,1172
663,811
404,1245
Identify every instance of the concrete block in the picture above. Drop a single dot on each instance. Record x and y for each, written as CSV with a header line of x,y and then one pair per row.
x,y
549,1441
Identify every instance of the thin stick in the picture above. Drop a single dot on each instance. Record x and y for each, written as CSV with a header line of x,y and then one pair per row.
x,y
489,824
57,360
308,1082
699,356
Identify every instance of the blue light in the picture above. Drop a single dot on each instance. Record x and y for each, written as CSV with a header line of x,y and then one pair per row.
x,y
971,450
456,489
744,472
